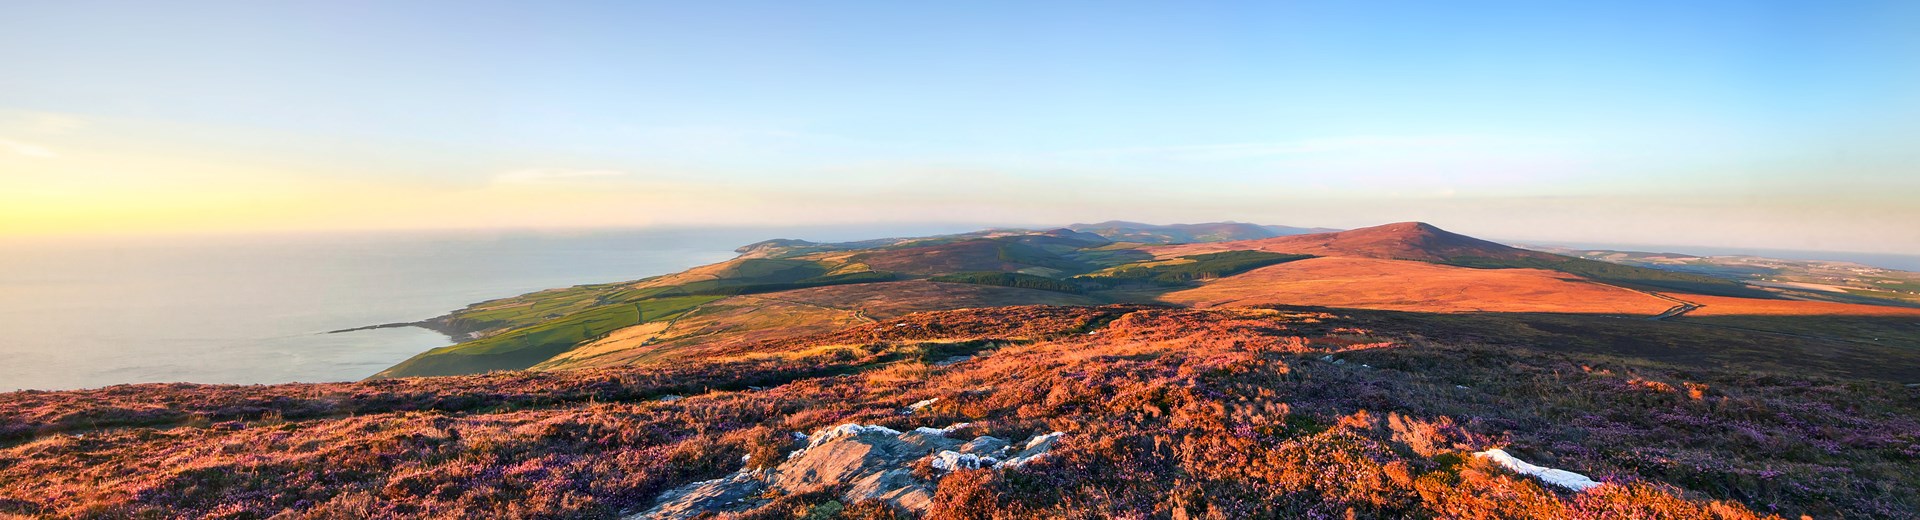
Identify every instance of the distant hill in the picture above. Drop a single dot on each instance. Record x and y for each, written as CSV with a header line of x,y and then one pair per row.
x,y
1399,241
1420,241
1123,231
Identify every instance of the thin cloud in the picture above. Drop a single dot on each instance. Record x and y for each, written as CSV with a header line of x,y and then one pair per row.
x,y
1251,150
27,149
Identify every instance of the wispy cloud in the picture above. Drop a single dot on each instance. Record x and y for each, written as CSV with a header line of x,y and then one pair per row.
x,y
553,175
1322,145
27,149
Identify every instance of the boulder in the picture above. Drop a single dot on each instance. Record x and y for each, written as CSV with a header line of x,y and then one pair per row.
x,y
873,462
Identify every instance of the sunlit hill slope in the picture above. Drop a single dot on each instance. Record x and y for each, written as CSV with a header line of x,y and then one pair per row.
x,y
1398,371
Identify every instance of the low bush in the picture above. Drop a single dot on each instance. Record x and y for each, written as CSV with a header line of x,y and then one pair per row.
x,y
1167,413
1023,281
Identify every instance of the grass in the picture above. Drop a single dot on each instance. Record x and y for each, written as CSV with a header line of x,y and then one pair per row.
x,y
1026,254
525,330
528,346
529,309
1623,275
734,289
1193,267
1024,281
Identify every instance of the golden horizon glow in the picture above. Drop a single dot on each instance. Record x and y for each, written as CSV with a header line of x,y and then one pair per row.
x,y
73,175
1689,127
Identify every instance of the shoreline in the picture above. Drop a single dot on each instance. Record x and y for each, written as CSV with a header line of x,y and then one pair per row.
x,y
437,324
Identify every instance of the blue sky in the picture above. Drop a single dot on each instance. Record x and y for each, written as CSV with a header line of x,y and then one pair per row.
x,y
1784,124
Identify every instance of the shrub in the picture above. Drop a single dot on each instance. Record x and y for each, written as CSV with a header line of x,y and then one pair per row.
x,y
1024,281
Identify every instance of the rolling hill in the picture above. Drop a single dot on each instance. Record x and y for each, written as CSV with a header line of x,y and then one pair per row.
x,y
1417,286
1122,231
1419,241
1399,241
790,287
1398,371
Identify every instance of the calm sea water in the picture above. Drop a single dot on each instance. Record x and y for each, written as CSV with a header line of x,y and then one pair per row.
x,y
1881,260
82,314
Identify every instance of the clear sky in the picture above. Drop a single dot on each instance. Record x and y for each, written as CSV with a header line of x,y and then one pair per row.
x,y
1749,123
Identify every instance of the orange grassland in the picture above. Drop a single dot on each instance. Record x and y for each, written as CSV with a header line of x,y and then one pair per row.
x,y
1416,286
1727,306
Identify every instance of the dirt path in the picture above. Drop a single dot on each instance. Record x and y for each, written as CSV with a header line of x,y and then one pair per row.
x,y
1679,306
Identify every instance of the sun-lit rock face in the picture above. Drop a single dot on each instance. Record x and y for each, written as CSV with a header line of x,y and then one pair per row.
x,y
874,462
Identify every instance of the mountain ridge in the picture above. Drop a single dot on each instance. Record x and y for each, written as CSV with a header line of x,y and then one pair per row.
x,y
1126,231
1396,241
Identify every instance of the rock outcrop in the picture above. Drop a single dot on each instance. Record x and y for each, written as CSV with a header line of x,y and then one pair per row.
x,y
868,462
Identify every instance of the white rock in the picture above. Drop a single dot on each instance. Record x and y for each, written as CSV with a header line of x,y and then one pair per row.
x,y
1035,448
846,430
873,461
948,460
1557,477
940,432
1046,440
922,404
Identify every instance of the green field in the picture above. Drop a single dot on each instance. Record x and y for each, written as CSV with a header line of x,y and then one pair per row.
x,y
524,330
1192,267
1023,281
528,346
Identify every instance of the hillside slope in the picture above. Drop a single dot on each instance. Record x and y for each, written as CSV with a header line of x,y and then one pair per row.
x,y
1416,286
1426,243
783,288
734,325
1398,241
1160,413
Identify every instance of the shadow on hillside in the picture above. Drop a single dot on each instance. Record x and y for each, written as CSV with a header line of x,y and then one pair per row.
x,y
1881,348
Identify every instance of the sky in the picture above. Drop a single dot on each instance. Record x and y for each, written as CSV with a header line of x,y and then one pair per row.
x,y
1788,125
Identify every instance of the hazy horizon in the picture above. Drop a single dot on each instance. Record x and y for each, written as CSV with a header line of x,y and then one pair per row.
x,y
1719,124
1902,260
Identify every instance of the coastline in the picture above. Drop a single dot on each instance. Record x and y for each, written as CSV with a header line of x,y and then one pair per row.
x,y
440,324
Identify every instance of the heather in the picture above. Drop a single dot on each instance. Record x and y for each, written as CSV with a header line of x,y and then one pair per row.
x,y
1166,413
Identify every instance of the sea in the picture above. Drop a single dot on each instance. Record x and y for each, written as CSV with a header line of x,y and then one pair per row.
x,y
1898,262
257,309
